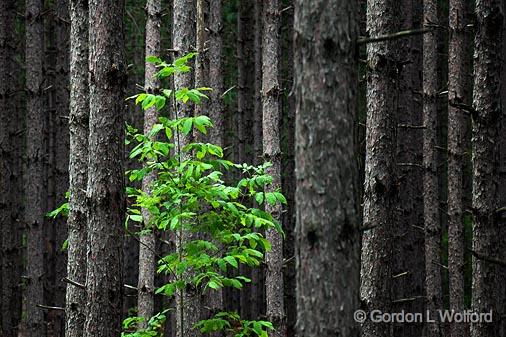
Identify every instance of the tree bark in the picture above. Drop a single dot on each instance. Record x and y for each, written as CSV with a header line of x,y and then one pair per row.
x,y
456,133
61,153
380,188
409,240
274,285
10,261
189,308
485,143
78,168
432,225
105,188
327,237
34,214
216,110
147,247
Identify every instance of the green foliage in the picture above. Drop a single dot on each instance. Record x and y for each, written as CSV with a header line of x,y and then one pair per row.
x,y
211,219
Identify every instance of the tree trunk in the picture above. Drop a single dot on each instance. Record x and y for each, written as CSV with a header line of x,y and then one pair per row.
x,y
10,261
456,133
105,188
78,168
485,143
274,285
327,237
189,308
147,263
216,110
409,240
433,286
61,153
380,187
34,214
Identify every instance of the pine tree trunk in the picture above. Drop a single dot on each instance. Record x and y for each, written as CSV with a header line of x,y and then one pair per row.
x,y
433,286
147,247
216,109
105,188
61,153
271,108
380,187
327,237
78,168
189,308
34,197
485,143
456,133
409,266
10,294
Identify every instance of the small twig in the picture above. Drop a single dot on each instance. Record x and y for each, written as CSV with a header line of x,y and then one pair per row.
x,y
440,264
410,165
77,284
410,299
401,274
50,307
409,126
398,35
229,89
493,260
130,287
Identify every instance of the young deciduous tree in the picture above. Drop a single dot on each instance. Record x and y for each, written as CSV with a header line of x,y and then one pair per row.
x,y
105,188
327,236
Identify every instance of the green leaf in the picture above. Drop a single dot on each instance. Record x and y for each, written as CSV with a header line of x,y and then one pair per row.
x,y
141,98
231,260
135,217
271,199
259,197
153,59
187,126
213,285
280,197
159,102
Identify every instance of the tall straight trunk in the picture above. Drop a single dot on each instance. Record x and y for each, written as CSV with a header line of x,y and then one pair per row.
x,y
271,120
288,167
257,298
216,110
147,247
105,188
245,77
78,168
502,181
10,294
432,225
409,266
34,214
457,52
188,309
485,143
61,151
380,187
327,236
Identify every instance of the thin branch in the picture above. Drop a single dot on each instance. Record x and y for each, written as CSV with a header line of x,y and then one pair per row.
x,y
398,35
50,307
74,283
401,274
409,126
482,257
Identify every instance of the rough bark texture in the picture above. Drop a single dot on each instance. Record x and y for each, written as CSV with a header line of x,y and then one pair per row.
x,y
271,108
485,141
61,155
189,308
78,168
105,188
10,262
327,238
432,225
147,247
409,265
216,110
245,78
456,133
380,188
34,214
